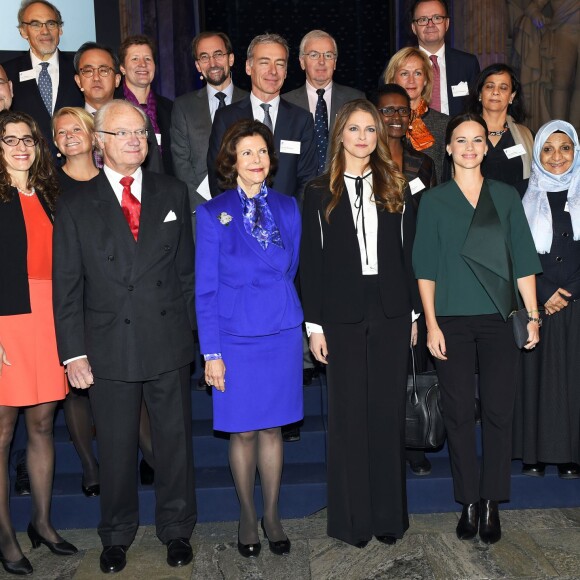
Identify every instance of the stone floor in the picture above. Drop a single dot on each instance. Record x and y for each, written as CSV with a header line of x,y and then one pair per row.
x,y
535,544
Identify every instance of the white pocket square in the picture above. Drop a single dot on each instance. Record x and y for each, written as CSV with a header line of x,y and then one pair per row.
x,y
170,217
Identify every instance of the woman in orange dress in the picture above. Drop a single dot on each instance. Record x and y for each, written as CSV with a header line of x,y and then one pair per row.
x,y
30,372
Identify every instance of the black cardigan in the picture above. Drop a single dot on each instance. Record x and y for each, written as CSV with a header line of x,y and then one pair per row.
x,y
14,291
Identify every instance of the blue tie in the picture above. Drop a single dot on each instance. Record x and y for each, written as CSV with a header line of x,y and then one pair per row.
x,y
321,130
45,87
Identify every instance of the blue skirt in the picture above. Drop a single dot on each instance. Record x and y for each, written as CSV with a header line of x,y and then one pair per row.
x,y
263,382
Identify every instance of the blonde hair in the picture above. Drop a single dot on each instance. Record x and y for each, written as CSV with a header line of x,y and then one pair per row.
x,y
400,58
84,118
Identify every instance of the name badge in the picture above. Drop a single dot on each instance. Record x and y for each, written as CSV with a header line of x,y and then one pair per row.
x,y
158,137
514,151
460,90
27,75
290,147
416,185
566,208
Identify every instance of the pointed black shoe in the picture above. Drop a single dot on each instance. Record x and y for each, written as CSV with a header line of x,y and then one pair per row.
x,y
468,522
249,550
389,540
489,526
20,567
113,559
281,547
63,548
179,552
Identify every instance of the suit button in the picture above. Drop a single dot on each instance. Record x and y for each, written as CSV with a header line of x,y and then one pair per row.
x,y
167,247
565,234
131,288
559,259
110,258
127,321
163,313
159,283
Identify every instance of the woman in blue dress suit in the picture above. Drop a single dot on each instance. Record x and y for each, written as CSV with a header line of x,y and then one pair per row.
x,y
249,319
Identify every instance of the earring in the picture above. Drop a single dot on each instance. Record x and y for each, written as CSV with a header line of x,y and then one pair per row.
x,y
59,154
480,98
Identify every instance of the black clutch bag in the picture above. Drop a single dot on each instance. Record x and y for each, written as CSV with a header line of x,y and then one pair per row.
x,y
424,428
520,326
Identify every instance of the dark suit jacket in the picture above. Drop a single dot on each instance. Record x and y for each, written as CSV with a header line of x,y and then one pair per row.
x,y
460,67
190,131
340,96
127,305
292,124
331,279
27,96
164,108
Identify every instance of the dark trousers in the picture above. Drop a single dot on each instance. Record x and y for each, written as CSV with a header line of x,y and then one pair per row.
x,y
490,339
116,411
367,374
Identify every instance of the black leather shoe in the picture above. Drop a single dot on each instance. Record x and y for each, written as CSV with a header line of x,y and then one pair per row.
x,y
389,540
22,483
489,526
362,544
281,547
21,567
568,470
249,550
421,467
179,552
91,490
146,473
468,522
291,433
113,559
63,548
534,469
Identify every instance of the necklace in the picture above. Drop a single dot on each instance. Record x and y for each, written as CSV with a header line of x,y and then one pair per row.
x,y
32,192
500,132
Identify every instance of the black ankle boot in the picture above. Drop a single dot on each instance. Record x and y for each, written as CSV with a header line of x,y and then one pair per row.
x,y
489,526
468,522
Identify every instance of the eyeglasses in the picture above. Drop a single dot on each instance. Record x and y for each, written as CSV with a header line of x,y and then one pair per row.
x,y
123,135
89,71
37,25
390,111
15,141
435,19
218,55
315,55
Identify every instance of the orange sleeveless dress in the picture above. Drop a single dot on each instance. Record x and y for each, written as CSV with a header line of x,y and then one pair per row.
x,y
35,375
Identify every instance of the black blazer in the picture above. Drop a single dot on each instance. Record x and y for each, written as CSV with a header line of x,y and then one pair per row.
x,y
292,124
27,96
460,67
14,291
331,278
127,305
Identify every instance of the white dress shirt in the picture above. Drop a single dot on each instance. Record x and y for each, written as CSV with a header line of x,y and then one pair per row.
x,y
440,54
214,102
258,112
52,71
313,98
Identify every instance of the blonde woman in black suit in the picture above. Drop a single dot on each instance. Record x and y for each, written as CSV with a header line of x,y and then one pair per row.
x,y
358,292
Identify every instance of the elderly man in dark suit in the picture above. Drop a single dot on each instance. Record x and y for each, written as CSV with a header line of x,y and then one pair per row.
x,y
453,70
320,95
124,315
293,129
193,113
42,77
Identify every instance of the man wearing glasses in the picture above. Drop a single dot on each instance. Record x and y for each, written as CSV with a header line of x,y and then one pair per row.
x,y
193,113
453,70
97,76
42,77
123,301
320,95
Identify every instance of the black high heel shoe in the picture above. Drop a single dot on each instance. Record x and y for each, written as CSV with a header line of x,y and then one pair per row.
x,y
281,547
248,550
21,567
63,548
91,490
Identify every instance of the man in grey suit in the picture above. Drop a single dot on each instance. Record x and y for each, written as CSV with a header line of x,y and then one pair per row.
x,y
193,113
319,95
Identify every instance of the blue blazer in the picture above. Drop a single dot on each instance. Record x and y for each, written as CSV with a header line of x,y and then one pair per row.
x,y
240,288
461,67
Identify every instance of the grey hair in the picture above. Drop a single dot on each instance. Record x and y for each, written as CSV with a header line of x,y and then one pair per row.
x,y
268,38
101,114
26,3
316,35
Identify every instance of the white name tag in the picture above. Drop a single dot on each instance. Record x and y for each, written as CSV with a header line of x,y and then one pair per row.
x,y
27,75
416,185
290,147
514,151
158,137
460,90
566,208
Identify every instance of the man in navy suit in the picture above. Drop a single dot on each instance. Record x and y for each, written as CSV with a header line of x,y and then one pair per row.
x,y
293,127
40,23
457,69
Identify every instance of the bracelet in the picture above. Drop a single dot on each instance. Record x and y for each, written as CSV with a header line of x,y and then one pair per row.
x,y
530,312
538,321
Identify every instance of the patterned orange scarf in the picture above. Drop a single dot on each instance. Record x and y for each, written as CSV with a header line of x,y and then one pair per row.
x,y
417,133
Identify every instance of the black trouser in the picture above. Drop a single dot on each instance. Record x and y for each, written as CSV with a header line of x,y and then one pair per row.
x,y
492,340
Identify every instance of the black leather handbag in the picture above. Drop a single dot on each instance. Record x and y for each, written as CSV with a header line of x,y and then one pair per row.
x,y
424,428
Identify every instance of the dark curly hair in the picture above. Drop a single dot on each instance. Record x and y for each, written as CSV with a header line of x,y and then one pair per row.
x,y
227,156
517,109
42,174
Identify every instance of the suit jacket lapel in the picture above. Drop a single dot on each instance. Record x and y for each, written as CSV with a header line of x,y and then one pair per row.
x,y
204,107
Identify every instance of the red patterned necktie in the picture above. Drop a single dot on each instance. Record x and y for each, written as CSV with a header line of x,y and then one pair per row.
x,y
436,95
131,206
